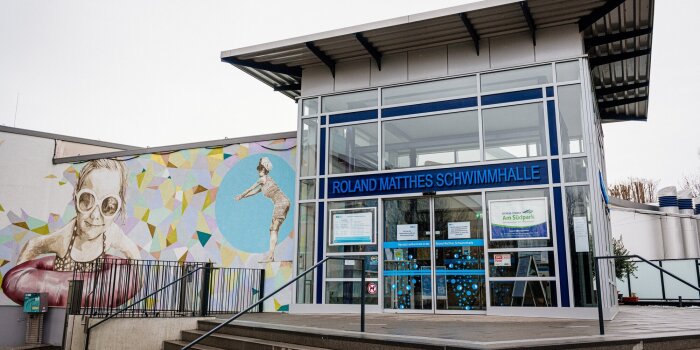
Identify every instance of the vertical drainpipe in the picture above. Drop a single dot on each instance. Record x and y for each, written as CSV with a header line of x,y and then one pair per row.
x,y
688,226
671,225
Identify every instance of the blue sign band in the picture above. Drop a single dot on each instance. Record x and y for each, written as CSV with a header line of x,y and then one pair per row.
x,y
439,272
365,239
438,243
449,179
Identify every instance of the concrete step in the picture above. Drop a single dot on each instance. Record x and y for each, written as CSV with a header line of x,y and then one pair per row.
x,y
314,338
179,344
232,342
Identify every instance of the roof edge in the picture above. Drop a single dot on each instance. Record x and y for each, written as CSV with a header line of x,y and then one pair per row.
x,y
178,147
367,26
74,139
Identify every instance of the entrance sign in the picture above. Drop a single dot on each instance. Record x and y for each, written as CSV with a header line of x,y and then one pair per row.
x,y
407,232
446,179
352,226
458,230
581,234
519,219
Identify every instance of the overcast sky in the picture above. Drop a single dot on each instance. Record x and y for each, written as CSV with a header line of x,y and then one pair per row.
x,y
148,73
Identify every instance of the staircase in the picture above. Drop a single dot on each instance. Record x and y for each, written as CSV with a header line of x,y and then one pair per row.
x,y
246,335
258,336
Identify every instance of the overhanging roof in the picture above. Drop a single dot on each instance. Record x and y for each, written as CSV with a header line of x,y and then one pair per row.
x,y
618,40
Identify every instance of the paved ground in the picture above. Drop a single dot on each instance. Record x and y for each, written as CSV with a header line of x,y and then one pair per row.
x,y
632,322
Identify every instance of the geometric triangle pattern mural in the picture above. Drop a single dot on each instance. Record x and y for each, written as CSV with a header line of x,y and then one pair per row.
x,y
180,206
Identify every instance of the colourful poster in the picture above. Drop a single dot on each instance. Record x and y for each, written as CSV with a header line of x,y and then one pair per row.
x,y
518,219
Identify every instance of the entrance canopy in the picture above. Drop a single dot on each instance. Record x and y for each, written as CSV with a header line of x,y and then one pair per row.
x,y
617,37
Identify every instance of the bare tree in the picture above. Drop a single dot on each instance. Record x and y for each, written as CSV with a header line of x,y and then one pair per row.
x,y
691,182
636,189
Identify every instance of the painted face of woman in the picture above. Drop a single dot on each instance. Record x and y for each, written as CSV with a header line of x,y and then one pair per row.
x,y
98,203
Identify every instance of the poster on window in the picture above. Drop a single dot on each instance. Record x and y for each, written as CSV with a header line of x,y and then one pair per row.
x,y
518,219
352,226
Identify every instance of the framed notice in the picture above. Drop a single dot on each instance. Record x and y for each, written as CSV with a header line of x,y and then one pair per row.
x,y
458,230
352,226
581,234
407,232
519,219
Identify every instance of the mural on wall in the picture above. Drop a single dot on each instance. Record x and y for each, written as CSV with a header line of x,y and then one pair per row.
x,y
189,205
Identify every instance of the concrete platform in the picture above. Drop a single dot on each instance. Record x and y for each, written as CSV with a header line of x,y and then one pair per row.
x,y
652,327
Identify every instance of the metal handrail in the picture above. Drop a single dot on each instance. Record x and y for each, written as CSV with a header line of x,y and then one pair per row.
x,y
362,299
601,324
89,327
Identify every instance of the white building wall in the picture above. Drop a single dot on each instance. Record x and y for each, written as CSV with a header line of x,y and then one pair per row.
x,y
516,49
641,233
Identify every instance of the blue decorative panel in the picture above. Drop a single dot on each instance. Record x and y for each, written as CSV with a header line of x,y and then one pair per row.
x,y
552,121
353,116
511,96
561,248
555,171
429,107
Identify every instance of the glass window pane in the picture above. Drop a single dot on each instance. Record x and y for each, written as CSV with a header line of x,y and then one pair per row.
x,y
518,194
523,293
516,78
354,100
348,268
432,140
309,106
305,253
348,292
367,203
307,189
514,132
567,71
581,242
432,90
309,130
354,148
505,264
575,169
569,97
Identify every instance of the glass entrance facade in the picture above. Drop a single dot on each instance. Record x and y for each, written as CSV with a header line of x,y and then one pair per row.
x,y
433,184
434,254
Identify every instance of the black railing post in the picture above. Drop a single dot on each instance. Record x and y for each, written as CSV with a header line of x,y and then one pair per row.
x,y
629,285
663,285
599,294
697,272
362,297
261,289
204,296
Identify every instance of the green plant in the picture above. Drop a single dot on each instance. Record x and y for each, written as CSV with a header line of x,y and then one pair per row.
x,y
623,266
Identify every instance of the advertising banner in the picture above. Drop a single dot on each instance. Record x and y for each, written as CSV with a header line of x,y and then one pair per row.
x,y
352,226
518,219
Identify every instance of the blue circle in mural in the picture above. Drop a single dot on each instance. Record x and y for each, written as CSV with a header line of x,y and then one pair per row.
x,y
246,223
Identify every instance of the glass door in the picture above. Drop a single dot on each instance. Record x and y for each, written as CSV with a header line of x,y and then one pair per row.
x,y
434,254
408,254
459,253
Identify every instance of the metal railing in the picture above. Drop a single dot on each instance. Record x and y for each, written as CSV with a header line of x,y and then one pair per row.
x,y
112,288
111,283
668,292
261,301
599,296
